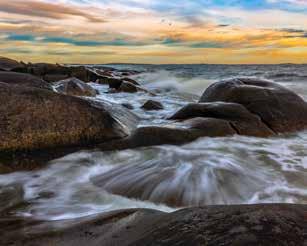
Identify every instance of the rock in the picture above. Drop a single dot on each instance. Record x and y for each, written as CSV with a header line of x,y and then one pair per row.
x,y
55,77
279,108
32,118
55,72
10,196
130,80
113,83
7,64
180,133
23,80
267,224
241,120
127,105
128,87
152,105
75,87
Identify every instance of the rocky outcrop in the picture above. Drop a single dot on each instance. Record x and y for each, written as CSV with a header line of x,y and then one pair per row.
x,y
152,105
32,118
239,106
55,72
271,224
279,108
75,87
7,64
22,79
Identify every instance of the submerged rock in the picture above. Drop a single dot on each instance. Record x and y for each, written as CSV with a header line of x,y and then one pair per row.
x,y
270,224
75,87
32,118
22,79
279,108
152,105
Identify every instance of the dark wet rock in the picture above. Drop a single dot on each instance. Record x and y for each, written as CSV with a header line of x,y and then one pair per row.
x,y
279,108
270,224
75,87
130,80
7,64
112,82
128,106
152,105
243,121
22,79
128,87
10,196
180,133
32,118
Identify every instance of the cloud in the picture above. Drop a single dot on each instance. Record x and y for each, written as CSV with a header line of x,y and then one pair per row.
x,y
46,9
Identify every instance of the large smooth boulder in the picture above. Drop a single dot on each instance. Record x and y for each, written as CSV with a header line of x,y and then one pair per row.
x,y
7,64
242,121
23,79
279,108
240,225
75,87
32,118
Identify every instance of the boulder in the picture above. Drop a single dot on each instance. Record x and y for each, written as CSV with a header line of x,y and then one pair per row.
x,y
75,87
152,105
7,64
128,87
32,118
24,80
267,224
279,108
242,121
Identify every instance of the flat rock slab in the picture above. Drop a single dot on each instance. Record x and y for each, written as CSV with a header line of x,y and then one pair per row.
x,y
275,224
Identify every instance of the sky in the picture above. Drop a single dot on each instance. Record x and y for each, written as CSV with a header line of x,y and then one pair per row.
x,y
154,31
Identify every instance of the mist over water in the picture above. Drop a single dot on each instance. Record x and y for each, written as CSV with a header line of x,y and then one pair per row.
x,y
228,170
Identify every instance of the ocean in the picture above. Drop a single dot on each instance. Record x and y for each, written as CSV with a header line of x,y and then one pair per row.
x,y
226,170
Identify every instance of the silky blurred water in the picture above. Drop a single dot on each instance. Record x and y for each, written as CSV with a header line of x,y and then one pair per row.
x,y
228,170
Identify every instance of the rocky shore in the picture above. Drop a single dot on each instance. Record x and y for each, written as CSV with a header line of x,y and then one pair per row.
x,y
48,110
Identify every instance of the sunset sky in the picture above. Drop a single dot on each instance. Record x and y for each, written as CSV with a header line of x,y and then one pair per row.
x,y
154,31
